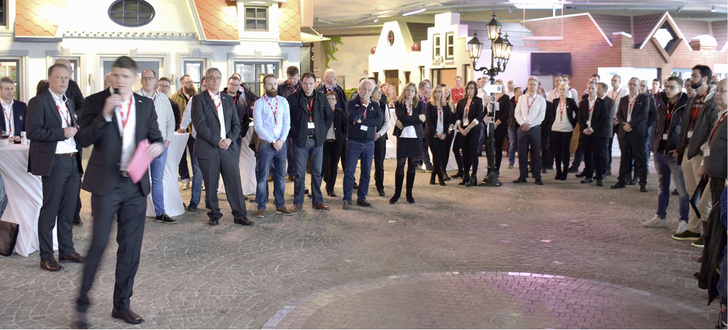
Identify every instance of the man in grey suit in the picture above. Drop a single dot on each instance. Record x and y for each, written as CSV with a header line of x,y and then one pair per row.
x,y
51,125
215,118
114,121
602,90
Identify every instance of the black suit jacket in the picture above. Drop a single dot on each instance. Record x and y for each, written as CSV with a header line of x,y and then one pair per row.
x,y
44,131
103,165
206,122
400,110
474,112
640,112
19,116
571,112
504,113
600,122
320,113
340,126
448,118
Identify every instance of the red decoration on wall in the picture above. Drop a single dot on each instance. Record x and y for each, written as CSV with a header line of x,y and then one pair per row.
x,y
374,50
416,47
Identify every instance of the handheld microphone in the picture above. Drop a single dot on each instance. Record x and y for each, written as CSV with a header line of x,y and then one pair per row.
x,y
116,91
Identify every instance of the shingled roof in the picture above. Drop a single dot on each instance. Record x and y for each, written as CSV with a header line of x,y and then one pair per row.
x,y
38,18
612,23
219,20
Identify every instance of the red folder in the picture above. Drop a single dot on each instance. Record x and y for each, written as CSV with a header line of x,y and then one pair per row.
x,y
140,162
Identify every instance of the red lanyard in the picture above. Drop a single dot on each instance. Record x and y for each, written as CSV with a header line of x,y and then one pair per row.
x,y
7,119
310,105
529,104
64,114
275,110
154,95
293,90
365,107
631,105
439,113
670,110
591,107
124,117
467,108
219,101
409,108
696,109
722,118
562,106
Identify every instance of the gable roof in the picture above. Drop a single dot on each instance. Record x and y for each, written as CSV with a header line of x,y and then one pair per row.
x,y
609,24
644,27
720,33
218,19
38,18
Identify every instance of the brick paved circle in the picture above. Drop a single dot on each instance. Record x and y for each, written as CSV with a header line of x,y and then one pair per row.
x,y
483,300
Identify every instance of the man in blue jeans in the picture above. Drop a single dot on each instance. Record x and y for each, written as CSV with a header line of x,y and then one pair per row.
x,y
364,116
671,105
272,124
311,117
165,121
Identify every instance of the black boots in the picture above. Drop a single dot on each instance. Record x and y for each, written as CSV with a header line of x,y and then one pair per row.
x,y
410,184
398,179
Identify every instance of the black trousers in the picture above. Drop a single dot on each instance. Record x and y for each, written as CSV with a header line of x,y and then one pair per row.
x,y
632,146
128,205
560,142
440,153
500,136
448,141
470,150
380,151
184,170
615,129
532,139
595,153
227,165
60,193
457,149
547,156
425,153
330,168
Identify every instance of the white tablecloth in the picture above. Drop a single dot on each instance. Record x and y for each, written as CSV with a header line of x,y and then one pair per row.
x,y
25,197
172,198
247,164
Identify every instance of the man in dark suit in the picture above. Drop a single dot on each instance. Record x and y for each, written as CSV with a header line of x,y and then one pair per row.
x,y
311,117
335,141
115,124
13,119
216,121
602,89
594,117
55,157
632,118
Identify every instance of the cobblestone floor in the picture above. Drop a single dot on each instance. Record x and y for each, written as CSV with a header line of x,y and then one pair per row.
x,y
562,255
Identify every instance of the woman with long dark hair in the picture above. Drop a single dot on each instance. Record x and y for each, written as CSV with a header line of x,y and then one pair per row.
x,y
469,116
438,123
410,113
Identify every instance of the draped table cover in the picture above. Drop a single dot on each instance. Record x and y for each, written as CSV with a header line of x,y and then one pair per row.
x,y
172,198
25,197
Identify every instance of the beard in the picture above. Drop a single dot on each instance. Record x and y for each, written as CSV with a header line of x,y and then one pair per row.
x,y
271,93
189,90
696,86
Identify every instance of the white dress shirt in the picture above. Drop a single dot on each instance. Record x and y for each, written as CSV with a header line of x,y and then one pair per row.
x,y
561,120
127,131
68,145
409,132
272,118
9,121
530,110
386,123
617,94
220,115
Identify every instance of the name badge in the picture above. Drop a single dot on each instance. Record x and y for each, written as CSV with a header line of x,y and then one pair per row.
x,y
466,122
276,131
706,152
664,136
364,128
311,125
690,134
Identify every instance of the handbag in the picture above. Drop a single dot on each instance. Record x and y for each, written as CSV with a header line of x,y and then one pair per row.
x,y
8,237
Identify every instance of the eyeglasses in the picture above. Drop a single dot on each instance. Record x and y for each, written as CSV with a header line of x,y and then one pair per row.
x,y
214,78
672,87
148,78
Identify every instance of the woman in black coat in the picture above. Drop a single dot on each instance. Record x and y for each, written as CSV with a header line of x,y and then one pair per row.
x,y
410,113
447,95
563,120
438,123
469,115
501,124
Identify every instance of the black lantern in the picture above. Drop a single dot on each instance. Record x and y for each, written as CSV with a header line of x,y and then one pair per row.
x,y
474,46
494,28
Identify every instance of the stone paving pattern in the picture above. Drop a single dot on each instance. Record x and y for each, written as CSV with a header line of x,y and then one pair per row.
x,y
452,260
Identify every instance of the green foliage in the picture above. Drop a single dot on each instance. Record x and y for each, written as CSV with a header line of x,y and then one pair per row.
x,y
350,91
330,49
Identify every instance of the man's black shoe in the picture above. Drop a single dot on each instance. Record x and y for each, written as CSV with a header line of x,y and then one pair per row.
x,y
587,180
192,207
643,189
213,222
600,183
381,192
633,182
579,175
364,203
164,218
127,315
331,194
539,182
519,180
618,185
244,222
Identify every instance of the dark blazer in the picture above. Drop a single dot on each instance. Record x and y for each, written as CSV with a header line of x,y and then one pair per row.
x,y
612,112
512,122
355,112
400,110
448,118
340,126
504,113
104,162
600,121
177,114
285,90
243,114
715,162
640,111
44,131
320,113
675,125
19,116
475,111
73,92
572,111
703,125
548,120
340,95
383,103
651,110
206,122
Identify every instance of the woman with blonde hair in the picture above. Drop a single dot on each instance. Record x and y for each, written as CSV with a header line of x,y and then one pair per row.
x,y
410,112
438,123
447,94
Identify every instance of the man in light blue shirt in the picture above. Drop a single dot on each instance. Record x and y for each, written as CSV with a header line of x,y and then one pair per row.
x,y
272,120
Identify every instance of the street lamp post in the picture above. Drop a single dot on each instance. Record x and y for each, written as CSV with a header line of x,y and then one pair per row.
x,y
500,49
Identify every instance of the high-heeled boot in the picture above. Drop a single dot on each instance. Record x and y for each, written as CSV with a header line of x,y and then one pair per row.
x,y
398,179
410,184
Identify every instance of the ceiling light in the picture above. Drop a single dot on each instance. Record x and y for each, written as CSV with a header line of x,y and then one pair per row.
x,y
417,11
712,10
538,4
376,19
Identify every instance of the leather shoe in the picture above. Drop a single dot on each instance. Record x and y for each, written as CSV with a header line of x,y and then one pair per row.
x,y
599,183
457,175
356,185
81,322
587,180
331,194
127,315
579,175
296,208
519,180
192,207
73,257
643,189
213,222
364,203
618,185
284,211
381,192
320,206
50,265
633,182
244,222
539,182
